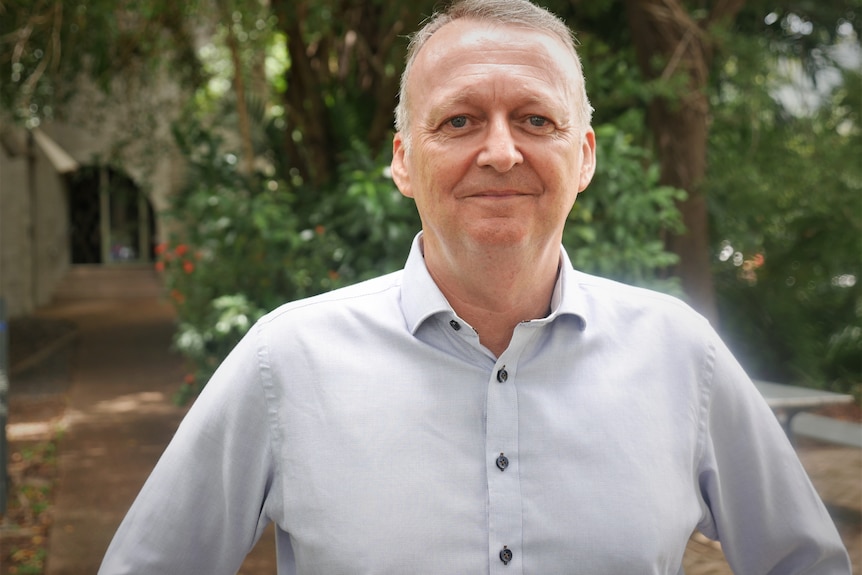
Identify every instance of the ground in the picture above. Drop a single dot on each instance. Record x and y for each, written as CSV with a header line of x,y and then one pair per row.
x,y
36,404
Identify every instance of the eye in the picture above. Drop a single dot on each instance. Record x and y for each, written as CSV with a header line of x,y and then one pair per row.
x,y
458,121
538,121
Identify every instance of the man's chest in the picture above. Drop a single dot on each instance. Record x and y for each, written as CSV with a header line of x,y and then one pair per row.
x,y
405,476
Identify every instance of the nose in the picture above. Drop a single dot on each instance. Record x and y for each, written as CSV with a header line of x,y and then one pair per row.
x,y
499,150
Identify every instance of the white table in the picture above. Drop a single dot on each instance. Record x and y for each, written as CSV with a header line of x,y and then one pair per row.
x,y
788,400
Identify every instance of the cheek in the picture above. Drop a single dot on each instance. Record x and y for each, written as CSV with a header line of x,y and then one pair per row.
x,y
562,180
437,175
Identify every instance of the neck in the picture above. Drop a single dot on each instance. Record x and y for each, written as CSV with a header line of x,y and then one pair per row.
x,y
496,292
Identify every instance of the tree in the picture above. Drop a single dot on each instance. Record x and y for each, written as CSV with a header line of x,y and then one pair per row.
x,y
47,46
345,64
785,193
674,42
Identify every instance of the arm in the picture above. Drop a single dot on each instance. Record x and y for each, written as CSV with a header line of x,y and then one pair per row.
x,y
204,505
762,506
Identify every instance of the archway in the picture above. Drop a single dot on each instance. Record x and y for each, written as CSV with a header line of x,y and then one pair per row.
x,y
110,219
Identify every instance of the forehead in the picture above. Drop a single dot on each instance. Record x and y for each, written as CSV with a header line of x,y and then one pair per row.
x,y
464,53
467,33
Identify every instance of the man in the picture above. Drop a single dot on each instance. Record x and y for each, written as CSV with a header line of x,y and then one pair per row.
x,y
488,409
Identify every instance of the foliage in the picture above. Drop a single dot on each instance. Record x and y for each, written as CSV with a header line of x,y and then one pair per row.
x,y
345,61
786,201
32,476
47,46
616,227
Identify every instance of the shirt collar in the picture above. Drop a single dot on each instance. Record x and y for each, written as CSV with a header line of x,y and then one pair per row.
x,y
422,299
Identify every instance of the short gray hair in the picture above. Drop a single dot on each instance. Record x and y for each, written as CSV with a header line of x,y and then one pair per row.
x,y
513,12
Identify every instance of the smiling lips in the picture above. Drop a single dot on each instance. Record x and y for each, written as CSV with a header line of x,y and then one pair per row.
x,y
498,194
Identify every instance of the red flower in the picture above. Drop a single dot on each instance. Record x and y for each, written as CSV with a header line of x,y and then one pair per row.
x,y
188,267
181,249
161,248
319,230
178,296
160,266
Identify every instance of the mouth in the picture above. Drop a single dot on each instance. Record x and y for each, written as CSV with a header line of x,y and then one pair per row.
x,y
499,194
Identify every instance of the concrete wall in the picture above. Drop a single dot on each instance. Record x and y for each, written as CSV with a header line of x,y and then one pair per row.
x,y
15,237
33,226
50,230
129,132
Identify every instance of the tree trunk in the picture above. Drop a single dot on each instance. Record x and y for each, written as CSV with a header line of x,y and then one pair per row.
x,y
314,155
344,82
247,164
664,32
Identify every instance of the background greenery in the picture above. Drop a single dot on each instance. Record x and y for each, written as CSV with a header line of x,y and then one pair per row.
x,y
738,120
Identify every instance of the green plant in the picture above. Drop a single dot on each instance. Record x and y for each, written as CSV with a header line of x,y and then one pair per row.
x,y
617,226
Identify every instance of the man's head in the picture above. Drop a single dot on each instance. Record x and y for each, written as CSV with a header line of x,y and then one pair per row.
x,y
511,12
496,143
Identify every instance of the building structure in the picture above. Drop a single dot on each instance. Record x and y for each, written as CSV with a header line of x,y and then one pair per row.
x,y
85,191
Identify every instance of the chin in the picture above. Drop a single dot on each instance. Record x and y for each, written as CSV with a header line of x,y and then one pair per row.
x,y
499,237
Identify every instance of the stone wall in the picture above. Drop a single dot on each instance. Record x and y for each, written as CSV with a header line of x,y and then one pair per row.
x,y
33,226
129,132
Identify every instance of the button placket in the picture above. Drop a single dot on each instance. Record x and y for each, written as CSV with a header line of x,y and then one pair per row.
x,y
504,491
505,507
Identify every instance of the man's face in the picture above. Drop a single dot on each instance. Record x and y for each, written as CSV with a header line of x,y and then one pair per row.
x,y
496,157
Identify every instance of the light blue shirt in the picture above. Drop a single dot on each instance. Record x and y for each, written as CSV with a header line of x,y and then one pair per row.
x,y
380,436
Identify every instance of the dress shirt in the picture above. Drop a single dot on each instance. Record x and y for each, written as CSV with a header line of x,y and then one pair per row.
x,y
380,436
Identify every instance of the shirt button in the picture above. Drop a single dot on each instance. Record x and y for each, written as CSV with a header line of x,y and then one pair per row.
x,y
502,462
505,555
502,375
455,325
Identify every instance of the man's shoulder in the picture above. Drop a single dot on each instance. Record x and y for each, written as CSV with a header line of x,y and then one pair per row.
x,y
606,287
603,294
366,294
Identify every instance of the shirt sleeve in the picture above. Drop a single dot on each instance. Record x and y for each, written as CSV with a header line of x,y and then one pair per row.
x,y
204,506
761,503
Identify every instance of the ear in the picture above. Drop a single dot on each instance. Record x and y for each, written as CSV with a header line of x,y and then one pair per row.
x,y
398,167
588,160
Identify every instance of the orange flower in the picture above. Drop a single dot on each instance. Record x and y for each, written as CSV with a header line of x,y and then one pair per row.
x,y
188,267
319,230
333,275
178,296
181,249
189,379
161,248
160,266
